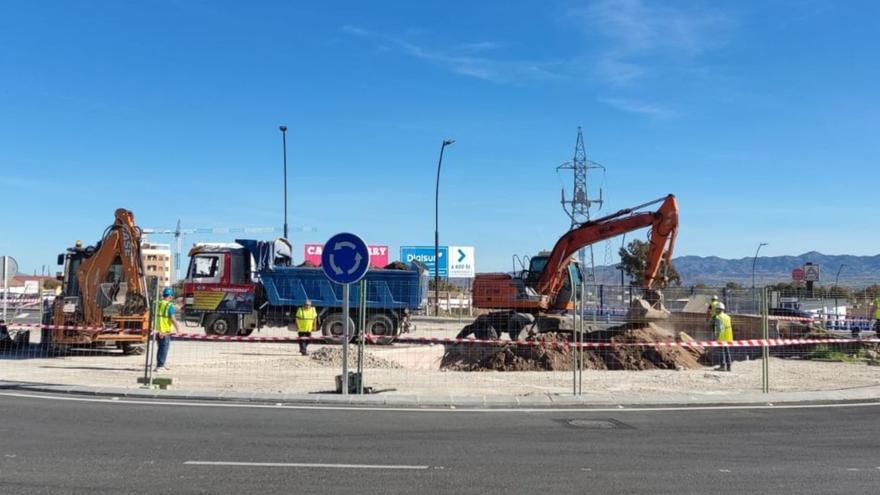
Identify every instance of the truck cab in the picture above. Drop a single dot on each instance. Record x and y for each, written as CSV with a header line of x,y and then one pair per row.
x,y
219,291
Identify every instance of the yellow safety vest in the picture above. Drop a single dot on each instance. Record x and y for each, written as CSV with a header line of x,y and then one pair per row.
x,y
305,319
726,334
164,321
877,308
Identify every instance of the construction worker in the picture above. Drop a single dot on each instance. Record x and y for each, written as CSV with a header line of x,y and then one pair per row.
x,y
166,324
710,313
305,323
723,333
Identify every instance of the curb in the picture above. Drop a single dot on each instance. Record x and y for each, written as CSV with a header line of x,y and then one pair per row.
x,y
463,402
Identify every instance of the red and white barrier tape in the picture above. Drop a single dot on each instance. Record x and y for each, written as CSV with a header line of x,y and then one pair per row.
x,y
704,343
63,327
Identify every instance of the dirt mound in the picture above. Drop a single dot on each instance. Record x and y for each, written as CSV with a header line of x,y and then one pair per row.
x,y
332,357
549,357
396,265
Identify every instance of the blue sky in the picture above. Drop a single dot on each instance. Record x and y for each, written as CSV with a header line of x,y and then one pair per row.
x,y
762,117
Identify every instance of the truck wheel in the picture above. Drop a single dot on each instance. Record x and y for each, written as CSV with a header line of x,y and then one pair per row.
x,y
221,325
382,328
333,327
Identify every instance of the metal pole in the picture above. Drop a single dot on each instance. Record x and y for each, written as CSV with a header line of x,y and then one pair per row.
x,y
345,333
765,350
154,324
446,142
755,263
5,286
283,129
362,327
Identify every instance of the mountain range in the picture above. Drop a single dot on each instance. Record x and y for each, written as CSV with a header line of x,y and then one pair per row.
x,y
857,271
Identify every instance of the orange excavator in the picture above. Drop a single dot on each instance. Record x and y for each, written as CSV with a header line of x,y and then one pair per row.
x,y
103,286
533,300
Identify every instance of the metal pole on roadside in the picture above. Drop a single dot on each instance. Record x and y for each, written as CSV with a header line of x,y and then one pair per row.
x,y
154,323
574,369
765,349
346,311
5,285
362,329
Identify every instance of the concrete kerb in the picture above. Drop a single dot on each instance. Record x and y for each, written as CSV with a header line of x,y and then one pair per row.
x,y
540,401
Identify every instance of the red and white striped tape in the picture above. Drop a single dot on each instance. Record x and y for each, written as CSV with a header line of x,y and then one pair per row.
x,y
62,327
529,343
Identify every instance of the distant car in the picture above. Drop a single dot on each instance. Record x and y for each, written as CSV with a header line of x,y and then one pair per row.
x,y
792,313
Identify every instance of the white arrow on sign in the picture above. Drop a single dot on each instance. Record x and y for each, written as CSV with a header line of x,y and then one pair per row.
x,y
333,265
357,263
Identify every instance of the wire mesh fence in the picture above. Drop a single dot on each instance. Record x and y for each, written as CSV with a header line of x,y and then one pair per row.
x,y
602,340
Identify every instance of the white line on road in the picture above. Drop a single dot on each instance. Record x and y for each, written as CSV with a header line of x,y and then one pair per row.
x,y
306,465
392,409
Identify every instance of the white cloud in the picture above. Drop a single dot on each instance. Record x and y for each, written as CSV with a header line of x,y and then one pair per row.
x,y
638,107
468,59
642,39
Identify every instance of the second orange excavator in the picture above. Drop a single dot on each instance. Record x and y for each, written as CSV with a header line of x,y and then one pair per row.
x,y
534,300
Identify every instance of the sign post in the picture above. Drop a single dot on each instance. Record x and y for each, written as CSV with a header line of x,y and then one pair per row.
x,y
345,260
8,269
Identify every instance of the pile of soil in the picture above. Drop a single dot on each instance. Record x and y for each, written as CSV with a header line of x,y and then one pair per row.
x,y
509,357
332,357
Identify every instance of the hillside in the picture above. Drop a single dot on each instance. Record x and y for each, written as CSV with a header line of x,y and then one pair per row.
x,y
711,270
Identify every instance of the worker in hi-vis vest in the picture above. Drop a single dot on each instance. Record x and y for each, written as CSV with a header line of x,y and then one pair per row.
x,y
305,324
710,312
723,333
166,324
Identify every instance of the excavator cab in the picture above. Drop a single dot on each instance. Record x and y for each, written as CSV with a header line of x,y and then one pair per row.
x,y
571,287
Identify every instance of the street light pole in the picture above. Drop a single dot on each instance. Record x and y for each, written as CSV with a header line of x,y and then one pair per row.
x,y
837,279
446,142
283,130
755,263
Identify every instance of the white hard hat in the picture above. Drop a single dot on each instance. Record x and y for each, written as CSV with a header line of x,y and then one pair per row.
x,y
720,306
714,298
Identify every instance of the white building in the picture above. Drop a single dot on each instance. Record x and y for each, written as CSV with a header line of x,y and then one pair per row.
x,y
157,261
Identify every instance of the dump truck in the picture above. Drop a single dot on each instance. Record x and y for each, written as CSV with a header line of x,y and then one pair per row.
x,y
235,288
536,299
104,298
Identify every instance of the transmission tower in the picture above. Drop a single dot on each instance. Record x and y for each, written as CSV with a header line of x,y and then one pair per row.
x,y
578,207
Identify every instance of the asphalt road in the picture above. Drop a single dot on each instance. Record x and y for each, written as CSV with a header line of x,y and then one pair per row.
x,y
62,446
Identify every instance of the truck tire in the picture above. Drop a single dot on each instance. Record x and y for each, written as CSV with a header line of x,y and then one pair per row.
x,y
221,325
333,327
244,332
381,328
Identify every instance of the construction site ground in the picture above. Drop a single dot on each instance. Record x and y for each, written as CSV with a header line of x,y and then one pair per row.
x,y
411,369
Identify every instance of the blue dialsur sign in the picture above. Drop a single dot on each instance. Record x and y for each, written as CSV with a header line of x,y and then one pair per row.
x,y
345,259
425,256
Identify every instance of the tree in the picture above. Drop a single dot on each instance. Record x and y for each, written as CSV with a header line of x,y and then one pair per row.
x,y
51,284
634,259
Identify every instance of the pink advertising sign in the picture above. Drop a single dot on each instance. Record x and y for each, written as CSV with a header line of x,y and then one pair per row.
x,y
378,254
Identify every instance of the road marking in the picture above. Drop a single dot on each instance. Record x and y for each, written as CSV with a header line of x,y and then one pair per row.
x,y
724,470
852,469
392,409
306,465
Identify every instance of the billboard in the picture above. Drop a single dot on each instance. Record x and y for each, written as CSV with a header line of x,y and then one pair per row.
x,y
378,254
425,256
461,262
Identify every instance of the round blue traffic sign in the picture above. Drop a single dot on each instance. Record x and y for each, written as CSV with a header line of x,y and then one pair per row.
x,y
345,259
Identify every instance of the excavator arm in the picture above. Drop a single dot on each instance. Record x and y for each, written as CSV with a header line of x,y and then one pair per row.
x,y
663,223
121,241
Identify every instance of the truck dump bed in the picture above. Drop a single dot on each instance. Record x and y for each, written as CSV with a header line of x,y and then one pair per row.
x,y
286,285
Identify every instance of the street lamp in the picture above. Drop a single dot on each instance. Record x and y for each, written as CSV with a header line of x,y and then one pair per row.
x,y
837,279
446,142
755,262
283,130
